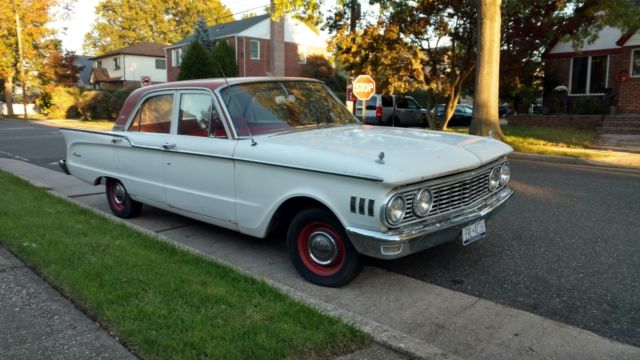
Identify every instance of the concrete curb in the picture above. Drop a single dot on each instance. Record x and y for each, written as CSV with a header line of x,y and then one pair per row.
x,y
382,334
569,161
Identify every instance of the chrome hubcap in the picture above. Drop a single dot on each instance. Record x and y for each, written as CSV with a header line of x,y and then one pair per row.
x,y
322,248
119,194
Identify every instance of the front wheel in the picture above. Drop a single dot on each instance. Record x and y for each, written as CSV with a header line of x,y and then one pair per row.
x,y
320,249
121,204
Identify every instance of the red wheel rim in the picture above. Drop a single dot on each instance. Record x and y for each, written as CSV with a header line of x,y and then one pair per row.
x,y
113,187
326,230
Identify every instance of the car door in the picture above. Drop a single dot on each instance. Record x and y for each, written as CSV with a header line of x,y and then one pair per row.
x,y
416,117
198,165
139,154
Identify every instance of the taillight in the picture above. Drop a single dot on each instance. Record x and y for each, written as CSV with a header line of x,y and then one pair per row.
x,y
379,111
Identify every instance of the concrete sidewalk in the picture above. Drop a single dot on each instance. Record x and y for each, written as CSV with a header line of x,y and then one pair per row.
x,y
414,317
36,322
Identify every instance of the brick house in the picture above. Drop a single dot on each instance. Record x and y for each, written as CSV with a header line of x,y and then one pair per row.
x,y
126,67
610,64
252,43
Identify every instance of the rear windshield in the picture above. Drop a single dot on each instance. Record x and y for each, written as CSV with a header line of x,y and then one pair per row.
x,y
274,106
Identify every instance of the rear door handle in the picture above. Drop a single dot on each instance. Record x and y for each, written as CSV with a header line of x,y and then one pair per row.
x,y
167,146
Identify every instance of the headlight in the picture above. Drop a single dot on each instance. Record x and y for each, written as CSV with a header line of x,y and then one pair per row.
x,y
494,179
422,203
395,210
505,174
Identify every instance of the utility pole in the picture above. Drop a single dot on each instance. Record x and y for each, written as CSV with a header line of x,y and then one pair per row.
x,y
21,60
354,16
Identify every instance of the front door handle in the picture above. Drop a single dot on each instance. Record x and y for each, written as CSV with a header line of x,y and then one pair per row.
x,y
167,146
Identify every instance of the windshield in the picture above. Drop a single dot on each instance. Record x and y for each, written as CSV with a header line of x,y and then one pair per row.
x,y
275,106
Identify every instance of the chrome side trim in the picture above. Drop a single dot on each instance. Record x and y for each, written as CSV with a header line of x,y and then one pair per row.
x,y
423,236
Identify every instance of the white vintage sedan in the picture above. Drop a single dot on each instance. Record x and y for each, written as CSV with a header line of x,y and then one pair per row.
x,y
260,154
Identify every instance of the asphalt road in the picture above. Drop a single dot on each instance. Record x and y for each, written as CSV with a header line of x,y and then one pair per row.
x,y
566,246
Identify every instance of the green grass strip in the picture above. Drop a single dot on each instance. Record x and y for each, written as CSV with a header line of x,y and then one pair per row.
x,y
163,302
548,140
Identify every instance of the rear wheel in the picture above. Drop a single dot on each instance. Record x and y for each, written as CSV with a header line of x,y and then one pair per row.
x,y
121,204
320,249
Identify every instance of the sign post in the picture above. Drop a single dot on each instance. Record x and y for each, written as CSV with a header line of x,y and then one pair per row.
x,y
363,88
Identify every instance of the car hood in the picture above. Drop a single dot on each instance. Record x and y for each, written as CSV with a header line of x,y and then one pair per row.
x,y
410,155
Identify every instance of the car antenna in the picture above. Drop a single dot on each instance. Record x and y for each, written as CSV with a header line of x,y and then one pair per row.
x,y
253,142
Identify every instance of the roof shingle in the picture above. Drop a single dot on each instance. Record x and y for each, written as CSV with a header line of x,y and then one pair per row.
x,y
152,49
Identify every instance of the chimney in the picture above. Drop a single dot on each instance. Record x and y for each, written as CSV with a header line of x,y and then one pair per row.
x,y
277,44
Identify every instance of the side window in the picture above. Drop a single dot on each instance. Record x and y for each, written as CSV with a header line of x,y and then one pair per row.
x,y
412,104
401,102
387,101
154,116
198,116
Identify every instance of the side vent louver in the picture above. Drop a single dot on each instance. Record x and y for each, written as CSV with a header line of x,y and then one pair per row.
x,y
362,206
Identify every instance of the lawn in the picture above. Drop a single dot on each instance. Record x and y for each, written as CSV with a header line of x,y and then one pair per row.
x,y
161,301
97,125
548,140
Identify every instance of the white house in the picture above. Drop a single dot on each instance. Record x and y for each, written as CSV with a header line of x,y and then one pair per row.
x,y
132,66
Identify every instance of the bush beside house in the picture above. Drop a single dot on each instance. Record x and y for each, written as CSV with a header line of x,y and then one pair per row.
x,y
72,103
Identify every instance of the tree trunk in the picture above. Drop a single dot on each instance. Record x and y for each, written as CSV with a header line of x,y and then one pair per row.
x,y
486,99
8,94
454,97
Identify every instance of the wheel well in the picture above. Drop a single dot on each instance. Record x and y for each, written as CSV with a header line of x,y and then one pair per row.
x,y
289,209
99,180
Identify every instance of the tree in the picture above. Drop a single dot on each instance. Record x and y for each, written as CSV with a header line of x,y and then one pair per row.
x,y
224,60
201,33
33,17
485,100
412,45
319,67
121,23
582,24
58,67
196,63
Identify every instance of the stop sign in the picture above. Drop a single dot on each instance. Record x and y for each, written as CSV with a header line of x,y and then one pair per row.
x,y
364,87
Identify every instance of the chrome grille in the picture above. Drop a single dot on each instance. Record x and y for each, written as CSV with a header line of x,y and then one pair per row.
x,y
459,192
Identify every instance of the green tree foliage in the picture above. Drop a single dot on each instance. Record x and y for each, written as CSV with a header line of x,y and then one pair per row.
x,y
34,16
411,45
319,67
93,105
201,33
121,23
223,58
196,63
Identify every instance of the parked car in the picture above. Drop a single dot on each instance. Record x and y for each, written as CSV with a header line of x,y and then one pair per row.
x,y
380,110
260,154
505,110
461,116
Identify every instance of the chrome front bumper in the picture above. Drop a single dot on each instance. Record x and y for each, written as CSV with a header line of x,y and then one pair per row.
x,y
398,243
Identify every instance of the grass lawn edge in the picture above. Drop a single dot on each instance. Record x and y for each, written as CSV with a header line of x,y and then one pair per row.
x,y
296,296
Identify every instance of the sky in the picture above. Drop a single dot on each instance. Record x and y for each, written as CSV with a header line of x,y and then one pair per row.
x,y
71,31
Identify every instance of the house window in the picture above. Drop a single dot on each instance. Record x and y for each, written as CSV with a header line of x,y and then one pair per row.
x,y
589,74
302,54
161,64
176,57
254,50
116,63
99,64
635,63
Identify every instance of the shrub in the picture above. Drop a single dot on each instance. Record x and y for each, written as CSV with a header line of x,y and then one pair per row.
x,y
95,105
117,100
196,63
63,103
